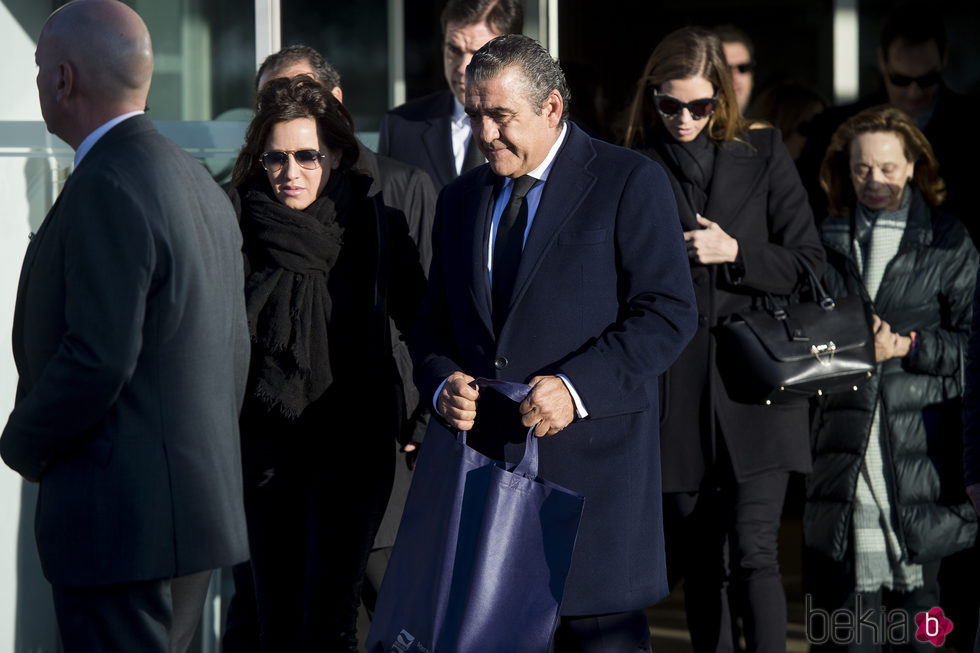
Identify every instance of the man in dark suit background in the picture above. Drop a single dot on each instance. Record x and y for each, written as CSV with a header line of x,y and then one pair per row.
x,y
912,54
132,348
433,132
581,289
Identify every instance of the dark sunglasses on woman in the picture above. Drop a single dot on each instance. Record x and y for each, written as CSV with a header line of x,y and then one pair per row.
x,y
275,160
670,107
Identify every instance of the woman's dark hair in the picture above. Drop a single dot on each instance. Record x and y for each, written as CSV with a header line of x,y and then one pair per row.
x,y
282,100
683,54
835,172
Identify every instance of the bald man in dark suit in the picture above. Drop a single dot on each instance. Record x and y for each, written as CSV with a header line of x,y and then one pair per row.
x,y
132,348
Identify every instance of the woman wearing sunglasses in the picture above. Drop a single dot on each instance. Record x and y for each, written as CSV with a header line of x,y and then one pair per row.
x,y
725,463
325,266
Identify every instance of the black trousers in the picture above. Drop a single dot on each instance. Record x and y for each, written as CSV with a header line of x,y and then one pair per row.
x,y
724,542
620,632
315,493
158,616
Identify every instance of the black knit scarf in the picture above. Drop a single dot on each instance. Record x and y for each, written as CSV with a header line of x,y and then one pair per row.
x,y
288,304
691,163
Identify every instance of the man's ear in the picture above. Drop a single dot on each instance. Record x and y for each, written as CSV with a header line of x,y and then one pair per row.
x,y
65,80
553,107
337,93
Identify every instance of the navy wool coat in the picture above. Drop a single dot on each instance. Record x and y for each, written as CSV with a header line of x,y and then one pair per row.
x,y
603,295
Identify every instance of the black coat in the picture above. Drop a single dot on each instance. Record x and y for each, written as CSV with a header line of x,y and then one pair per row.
x,y
757,198
927,288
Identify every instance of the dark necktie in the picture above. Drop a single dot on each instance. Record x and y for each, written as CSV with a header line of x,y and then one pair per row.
x,y
473,156
508,246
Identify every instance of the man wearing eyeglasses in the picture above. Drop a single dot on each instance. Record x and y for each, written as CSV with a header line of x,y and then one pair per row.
x,y
132,349
912,56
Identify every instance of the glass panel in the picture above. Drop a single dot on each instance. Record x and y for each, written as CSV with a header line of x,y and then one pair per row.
x,y
353,38
204,53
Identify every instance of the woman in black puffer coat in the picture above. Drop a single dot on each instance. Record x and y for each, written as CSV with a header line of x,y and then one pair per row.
x,y
884,500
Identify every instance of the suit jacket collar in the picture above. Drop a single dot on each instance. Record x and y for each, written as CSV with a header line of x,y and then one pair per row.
x,y
119,133
437,137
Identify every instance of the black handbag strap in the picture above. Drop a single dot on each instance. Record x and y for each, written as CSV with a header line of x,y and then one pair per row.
x,y
795,329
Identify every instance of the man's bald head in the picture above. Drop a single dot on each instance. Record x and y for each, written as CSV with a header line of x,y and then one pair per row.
x,y
95,61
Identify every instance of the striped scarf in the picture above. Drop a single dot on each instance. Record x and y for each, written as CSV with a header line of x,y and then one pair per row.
x,y
877,552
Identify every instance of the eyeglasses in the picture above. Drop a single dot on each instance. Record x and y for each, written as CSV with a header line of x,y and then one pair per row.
x,y
276,160
922,81
743,68
669,106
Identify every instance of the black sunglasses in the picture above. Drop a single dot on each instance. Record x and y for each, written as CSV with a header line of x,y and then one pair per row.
x,y
743,67
922,81
670,107
275,160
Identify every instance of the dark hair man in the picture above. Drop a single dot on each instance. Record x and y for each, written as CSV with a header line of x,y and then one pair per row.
x,y
912,55
432,132
740,57
131,343
561,265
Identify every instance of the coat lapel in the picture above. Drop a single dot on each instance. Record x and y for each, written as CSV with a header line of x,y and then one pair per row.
x,y
438,142
733,180
567,186
476,214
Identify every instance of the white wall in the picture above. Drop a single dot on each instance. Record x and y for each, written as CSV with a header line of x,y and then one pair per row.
x,y
26,615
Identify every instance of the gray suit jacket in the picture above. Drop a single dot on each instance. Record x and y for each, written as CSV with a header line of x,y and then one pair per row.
x,y
132,348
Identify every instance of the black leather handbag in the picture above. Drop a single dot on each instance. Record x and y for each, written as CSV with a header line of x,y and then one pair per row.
x,y
786,350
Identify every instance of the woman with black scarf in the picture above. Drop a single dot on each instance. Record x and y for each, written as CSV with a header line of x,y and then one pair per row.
x,y
726,463
325,266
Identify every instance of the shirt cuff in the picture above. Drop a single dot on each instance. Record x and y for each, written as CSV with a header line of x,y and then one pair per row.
x,y
580,411
435,406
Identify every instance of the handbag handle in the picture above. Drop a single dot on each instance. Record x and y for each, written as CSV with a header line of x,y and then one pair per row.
x,y
528,467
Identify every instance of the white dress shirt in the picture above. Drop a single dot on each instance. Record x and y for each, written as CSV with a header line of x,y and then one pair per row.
x,y
99,132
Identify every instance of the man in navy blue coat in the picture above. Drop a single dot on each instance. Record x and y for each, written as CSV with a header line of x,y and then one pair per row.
x,y
601,303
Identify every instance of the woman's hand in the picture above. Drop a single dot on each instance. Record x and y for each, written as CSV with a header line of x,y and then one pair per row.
x,y
887,343
710,244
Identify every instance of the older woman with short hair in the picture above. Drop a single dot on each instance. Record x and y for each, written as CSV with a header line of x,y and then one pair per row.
x,y
881,509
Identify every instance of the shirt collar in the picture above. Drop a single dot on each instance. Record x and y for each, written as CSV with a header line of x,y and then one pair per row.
x,y
459,112
99,132
544,169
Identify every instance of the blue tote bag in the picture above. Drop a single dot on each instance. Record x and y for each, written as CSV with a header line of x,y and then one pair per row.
x,y
482,552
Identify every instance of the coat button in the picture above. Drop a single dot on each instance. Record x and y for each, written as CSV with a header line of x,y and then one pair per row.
x,y
500,362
